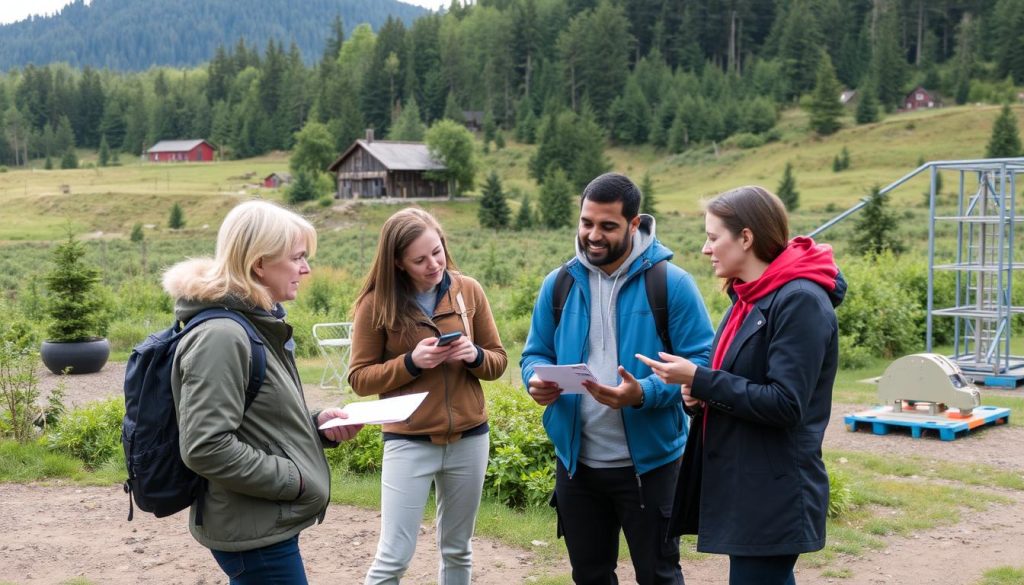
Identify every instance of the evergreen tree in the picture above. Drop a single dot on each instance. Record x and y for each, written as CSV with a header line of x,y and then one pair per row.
x,y
888,62
524,218
867,105
176,219
874,232
556,200
836,164
69,160
825,108
408,127
799,45
787,189
104,155
303,188
1005,139
48,165
137,235
499,140
493,212
648,201
526,122
630,116
115,159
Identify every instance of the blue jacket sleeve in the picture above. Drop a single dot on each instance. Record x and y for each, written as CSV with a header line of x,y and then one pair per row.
x,y
796,352
540,341
690,331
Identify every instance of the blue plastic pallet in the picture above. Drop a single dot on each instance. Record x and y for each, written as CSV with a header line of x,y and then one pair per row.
x,y
882,419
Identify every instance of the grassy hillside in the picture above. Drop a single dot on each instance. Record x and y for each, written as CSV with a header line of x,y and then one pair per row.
x,y
112,199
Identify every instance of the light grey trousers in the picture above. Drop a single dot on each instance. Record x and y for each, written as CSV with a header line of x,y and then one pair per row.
x,y
457,471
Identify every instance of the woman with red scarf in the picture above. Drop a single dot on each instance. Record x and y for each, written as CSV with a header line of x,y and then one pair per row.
x,y
753,484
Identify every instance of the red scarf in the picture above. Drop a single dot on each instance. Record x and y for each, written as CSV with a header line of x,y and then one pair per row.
x,y
802,258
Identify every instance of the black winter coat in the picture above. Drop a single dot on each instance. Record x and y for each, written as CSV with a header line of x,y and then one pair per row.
x,y
764,489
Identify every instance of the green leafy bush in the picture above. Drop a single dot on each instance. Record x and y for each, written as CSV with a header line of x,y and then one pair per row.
x,y
840,499
521,471
91,433
880,316
362,454
18,391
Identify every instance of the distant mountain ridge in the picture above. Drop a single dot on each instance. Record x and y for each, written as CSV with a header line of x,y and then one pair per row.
x,y
132,35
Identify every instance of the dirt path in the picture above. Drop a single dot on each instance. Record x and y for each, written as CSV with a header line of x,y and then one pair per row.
x,y
51,534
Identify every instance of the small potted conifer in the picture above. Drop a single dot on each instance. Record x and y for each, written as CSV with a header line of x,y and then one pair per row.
x,y
75,308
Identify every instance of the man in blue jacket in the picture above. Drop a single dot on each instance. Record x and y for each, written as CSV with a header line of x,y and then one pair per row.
x,y
618,447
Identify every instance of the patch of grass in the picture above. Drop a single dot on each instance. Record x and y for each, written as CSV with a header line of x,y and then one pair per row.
x,y
1003,576
22,463
837,573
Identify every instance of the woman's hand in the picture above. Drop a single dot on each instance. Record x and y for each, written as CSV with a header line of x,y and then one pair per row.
x,y
690,402
427,355
336,434
463,350
673,370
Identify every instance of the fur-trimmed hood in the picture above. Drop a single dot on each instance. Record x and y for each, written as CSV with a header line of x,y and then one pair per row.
x,y
186,280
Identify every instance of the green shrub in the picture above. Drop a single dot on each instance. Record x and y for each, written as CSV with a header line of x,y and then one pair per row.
x,y
840,499
362,454
326,201
91,433
18,391
851,355
880,316
521,470
744,140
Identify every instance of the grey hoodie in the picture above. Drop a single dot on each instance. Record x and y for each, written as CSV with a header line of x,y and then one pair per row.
x,y
604,439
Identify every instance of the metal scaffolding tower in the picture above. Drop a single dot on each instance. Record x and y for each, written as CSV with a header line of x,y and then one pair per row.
x,y
983,263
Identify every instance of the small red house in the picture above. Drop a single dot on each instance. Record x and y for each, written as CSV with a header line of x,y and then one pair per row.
x,y
275,180
920,98
181,150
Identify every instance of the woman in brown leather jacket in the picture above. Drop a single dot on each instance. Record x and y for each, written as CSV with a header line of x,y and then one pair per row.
x,y
413,295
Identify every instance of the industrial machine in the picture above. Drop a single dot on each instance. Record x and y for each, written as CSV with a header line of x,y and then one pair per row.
x,y
927,378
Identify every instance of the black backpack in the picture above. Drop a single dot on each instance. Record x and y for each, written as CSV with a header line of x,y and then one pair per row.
x,y
655,280
158,479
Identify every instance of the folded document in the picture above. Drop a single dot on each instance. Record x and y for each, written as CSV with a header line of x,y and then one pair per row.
x,y
569,378
376,412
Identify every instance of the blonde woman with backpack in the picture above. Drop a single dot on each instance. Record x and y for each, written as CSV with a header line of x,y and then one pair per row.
x,y
413,301
267,477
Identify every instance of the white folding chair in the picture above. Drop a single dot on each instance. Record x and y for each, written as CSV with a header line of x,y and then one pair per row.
x,y
334,342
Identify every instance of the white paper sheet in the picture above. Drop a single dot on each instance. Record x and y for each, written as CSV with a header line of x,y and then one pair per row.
x,y
376,412
568,377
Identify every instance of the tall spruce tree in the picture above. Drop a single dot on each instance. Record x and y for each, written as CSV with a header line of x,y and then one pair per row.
x,y
888,61
524,217
104,156
1005,139
408,127
875,231
556,200
493,212
787,189
867,104
825,107
176,219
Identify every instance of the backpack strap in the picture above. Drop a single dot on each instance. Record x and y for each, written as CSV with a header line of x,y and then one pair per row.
x,y
563,284
656,283
258,365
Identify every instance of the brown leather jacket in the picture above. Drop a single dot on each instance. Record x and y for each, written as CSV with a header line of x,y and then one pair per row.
x,y
455,402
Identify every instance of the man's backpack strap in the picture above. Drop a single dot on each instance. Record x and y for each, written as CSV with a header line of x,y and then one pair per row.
x,y
258,365
563,284
656,282
257,369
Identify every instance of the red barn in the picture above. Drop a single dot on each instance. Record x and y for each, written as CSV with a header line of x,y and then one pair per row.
x,y
920,98
181,150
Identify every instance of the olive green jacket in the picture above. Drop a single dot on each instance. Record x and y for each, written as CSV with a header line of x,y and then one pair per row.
x,y
254,461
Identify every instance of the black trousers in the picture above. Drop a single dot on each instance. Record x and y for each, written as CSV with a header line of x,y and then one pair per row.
x,y
595,504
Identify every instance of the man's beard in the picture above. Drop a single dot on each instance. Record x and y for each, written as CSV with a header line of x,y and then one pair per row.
x,y
612,254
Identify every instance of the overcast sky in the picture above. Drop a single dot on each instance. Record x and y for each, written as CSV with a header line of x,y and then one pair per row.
x,y
13,10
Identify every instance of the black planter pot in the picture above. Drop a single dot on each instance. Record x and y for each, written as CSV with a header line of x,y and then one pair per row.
x,y
83,357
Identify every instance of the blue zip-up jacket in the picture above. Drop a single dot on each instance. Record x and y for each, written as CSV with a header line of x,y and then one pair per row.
x,y
655,432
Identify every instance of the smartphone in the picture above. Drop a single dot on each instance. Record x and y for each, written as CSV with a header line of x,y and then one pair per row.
x,y
448,338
